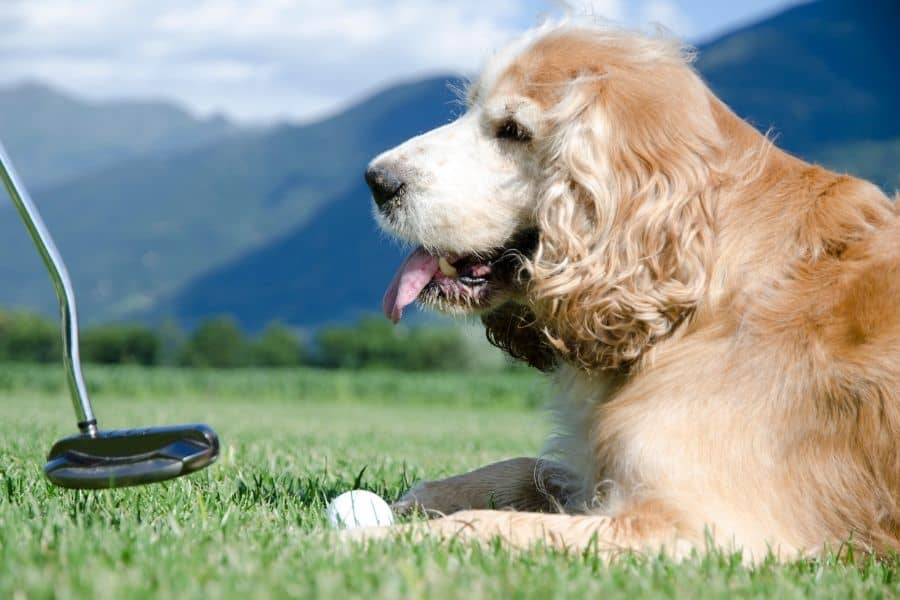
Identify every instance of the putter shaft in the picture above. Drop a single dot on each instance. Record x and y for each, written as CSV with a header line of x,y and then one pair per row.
x,y
87,423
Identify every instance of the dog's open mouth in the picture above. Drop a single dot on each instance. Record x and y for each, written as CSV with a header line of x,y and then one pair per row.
x,y
456,283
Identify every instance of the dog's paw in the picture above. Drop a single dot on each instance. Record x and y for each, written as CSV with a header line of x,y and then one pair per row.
x,y
430,498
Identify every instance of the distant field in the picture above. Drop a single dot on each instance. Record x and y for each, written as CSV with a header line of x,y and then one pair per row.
x,y
253,525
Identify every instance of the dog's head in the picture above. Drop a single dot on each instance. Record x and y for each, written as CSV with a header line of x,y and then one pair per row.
x,y
569,204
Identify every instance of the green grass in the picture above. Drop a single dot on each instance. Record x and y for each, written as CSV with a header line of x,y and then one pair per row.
x,y
253,525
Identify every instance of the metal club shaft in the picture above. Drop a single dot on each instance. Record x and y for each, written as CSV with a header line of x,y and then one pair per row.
x,y
87,423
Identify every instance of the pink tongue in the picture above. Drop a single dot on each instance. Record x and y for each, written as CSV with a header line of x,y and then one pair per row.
x,y
411,278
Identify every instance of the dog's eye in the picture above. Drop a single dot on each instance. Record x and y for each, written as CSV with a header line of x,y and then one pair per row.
x,y
511,130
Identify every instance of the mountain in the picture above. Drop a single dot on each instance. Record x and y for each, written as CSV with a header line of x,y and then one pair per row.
x,y
54,137
330,269
823,77
133,233
831,63
276,224
333,266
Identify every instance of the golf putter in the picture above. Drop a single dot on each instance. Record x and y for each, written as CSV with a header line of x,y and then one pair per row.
x,y
96,459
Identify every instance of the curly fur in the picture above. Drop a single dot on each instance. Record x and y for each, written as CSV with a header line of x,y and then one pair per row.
x,y
625,211
511,328
721,317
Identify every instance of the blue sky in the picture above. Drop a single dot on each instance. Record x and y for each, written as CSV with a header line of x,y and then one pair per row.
x,y
263,60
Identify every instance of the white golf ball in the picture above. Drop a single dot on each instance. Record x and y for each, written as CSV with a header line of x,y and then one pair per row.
x,y
359,508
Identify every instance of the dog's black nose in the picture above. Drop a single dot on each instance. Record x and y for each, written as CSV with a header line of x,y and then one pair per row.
x,y
385,185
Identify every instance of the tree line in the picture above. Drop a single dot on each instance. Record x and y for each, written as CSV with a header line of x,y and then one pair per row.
x,y
219,342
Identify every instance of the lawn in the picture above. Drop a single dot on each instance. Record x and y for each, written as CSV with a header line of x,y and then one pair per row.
x,y
253,525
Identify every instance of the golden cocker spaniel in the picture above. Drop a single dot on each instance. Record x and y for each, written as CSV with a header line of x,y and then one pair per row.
x,y
720,317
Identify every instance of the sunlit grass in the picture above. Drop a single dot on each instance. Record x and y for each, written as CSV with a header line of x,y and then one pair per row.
x,y
253,525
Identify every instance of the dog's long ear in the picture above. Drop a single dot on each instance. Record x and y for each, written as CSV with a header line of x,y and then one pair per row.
x,y
625,216
512,329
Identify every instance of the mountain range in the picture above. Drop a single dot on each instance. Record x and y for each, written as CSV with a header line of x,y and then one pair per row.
x,y
55,137
275,223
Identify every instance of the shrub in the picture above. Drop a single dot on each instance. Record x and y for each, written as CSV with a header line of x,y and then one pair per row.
x,y
171,342
120,344
277,346
371,342
26,337
217,342
374,342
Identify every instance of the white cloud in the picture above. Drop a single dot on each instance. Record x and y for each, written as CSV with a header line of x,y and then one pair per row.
x,y
236,56
264,59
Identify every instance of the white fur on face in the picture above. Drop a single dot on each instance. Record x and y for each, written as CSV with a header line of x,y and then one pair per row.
x,y
466,190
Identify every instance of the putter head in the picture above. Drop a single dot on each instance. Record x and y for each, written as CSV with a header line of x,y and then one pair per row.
x,y
131,456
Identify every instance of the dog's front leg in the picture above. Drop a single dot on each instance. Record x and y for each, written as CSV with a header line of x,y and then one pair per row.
x,y
637,530
522,484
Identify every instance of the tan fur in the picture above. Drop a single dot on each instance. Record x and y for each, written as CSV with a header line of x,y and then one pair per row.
x,y
725,316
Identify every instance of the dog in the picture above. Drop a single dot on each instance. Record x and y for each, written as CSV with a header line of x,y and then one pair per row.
x,y
720,318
